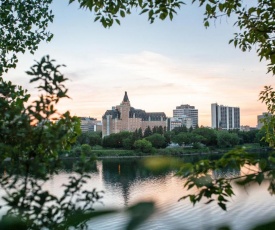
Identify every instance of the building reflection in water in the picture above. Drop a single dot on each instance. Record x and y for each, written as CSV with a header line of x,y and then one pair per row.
x,y
124,172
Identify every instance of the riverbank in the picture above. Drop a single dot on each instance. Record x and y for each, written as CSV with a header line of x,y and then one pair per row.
x,y
110,153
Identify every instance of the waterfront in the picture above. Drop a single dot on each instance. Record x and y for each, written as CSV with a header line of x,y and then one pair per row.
x,y
127,181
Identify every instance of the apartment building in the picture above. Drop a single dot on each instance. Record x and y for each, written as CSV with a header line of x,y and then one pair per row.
x,y
225,117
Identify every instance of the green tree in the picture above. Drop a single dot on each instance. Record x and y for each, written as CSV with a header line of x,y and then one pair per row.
x,y
160,130
187,138
226,139
181,129
268,97
140,135
94,138
143,146
76,151
128,142
91,138
115,140
168,137
210,136
182,138
31,135
86,150
247,136
157,140
23,25
147,132
112,141
260,138
83,138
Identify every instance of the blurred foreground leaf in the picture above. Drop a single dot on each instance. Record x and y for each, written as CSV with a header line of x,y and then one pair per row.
x,y
139,213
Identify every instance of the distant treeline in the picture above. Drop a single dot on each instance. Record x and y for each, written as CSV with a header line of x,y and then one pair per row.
x,y
159,138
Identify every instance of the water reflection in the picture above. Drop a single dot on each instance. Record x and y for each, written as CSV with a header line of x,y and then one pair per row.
x,y
123,173
127,181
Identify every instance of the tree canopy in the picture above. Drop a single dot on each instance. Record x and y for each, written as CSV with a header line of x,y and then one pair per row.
x,y
23,26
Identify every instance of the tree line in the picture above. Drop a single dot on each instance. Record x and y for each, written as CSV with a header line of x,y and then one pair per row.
x,y
158,137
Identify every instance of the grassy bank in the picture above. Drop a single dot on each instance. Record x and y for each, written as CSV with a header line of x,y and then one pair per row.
x,y
164,152
98,151
117,153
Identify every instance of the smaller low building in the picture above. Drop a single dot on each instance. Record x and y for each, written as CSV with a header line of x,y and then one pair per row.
x,y
187,111
174,122
88,124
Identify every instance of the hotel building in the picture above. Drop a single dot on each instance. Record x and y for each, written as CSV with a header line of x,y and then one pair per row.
x,y
124,117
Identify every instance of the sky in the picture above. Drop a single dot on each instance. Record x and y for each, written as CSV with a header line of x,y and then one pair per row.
x,y
160,65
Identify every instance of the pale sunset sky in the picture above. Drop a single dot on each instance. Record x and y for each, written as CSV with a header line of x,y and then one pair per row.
x,y
160,65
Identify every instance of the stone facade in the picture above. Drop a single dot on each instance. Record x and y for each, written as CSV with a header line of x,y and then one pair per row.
x,y
124,117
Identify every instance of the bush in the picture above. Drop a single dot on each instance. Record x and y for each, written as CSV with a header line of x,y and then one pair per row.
x,y
157,140
143,146
226,139
97,147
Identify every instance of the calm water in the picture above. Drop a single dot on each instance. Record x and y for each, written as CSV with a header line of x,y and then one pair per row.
x,y
127,181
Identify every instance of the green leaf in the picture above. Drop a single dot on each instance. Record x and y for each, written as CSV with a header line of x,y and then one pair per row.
x,y
139,213
222,205
117,21
143,11
221,6
151,12
209,201
262,164
259,178
122,13
208,8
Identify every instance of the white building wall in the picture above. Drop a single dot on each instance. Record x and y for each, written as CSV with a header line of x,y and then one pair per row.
x,y
219,112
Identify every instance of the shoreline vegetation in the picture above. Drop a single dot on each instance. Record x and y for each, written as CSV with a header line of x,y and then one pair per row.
x,y
180,141
177,152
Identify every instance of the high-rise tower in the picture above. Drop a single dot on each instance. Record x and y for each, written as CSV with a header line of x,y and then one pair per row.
x,y
225,117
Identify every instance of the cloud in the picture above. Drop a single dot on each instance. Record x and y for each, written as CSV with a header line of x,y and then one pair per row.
x,y
157,82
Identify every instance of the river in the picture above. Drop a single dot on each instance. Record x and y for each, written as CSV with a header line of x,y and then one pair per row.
x,y
126,182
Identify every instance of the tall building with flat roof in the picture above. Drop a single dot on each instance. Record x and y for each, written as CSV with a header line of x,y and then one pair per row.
x,y
187,111
225,117
123,117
